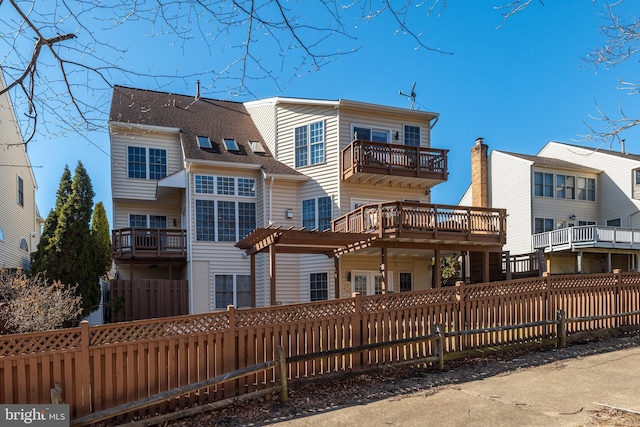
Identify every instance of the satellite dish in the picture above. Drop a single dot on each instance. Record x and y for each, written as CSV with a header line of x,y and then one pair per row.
x,y
411,95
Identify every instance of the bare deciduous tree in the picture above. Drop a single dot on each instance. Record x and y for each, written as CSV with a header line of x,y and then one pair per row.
x,y
30,303
60,58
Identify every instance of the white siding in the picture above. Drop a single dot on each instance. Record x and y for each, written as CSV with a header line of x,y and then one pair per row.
x,y
614,188
123,209
510,189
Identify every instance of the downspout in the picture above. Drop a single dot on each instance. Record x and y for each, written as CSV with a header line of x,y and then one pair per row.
x,y
188,239
270,201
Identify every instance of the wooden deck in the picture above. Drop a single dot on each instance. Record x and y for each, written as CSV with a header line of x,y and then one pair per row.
x,y
394,164
421,221
149,244
587,236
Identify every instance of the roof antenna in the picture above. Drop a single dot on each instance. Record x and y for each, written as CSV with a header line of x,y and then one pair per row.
x,y
411,95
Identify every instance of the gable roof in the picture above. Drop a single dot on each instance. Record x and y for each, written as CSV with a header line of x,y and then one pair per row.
x,y
213,118
603,151
550,162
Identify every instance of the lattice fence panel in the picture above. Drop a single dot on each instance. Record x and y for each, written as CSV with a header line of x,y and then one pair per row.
x,y
515,287
19,344
583,281
375,303
294,313
143,330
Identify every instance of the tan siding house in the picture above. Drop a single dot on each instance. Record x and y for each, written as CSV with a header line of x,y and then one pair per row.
x,y
245,200
20,220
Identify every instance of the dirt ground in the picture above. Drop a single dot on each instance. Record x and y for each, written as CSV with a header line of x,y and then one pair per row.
x,y
339,393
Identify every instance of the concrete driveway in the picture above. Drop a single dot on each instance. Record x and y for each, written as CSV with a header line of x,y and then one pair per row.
x,y
562,393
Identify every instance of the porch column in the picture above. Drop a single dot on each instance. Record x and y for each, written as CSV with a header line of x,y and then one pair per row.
x,y
507,257
272,273
383,269
336,269
485,267
609,270
253,280
579,262
437,269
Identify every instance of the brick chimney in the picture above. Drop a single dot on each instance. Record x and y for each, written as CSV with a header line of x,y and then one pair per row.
x,y
479,174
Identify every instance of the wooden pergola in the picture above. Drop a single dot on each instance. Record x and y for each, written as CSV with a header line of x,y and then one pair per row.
x,y
333,244
274,240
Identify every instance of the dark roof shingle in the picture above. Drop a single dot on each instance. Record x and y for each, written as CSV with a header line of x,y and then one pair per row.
x,y
216,119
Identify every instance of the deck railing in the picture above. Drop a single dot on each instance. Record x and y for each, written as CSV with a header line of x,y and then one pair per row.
x,y
393,159
149,242
587,236
383,218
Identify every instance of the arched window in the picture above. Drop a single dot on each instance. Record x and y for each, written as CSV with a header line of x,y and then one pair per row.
x,y
23,245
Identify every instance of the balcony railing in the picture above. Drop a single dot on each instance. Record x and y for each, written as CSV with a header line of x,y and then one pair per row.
x,y
367,157
148,243
426,221
587,236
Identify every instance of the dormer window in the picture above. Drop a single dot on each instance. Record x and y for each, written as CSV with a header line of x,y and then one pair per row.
x,y
204,142
231,144
257,147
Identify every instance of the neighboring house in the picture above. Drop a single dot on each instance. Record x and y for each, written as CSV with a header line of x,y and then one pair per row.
x,y
19,218
578,205
284,200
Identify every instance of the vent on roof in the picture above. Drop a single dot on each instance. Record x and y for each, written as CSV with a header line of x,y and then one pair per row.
x,y
231,144
257,147
204,142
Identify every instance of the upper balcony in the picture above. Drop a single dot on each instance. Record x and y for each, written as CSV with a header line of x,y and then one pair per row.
x,y
587,236
427,222
381,163
149,244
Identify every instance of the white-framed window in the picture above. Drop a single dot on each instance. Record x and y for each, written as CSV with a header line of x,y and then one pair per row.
x,y
543,184
224,220
367,133
406,281
565,186
147,221
369,282
231,289
20,191
143,162
615,222
586,189
318,286
356,203
309,144
204,142
317,213
542,225
586,222
636,184
204,184
230,144
412,135
225,185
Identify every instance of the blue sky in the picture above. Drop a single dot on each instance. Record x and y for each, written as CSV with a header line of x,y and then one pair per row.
x,y
518,86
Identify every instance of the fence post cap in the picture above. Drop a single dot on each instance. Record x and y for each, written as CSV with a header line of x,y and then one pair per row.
x,y
617,271
546,274
355,294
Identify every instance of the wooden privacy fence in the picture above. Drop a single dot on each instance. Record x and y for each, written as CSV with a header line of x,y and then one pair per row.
x,y
146,298
106,366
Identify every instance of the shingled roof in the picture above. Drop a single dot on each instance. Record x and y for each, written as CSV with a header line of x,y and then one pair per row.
x,y
216,119
551,162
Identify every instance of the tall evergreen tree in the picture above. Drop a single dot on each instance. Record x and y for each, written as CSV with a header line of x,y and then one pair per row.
x,y
69,255
41,258
101,239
